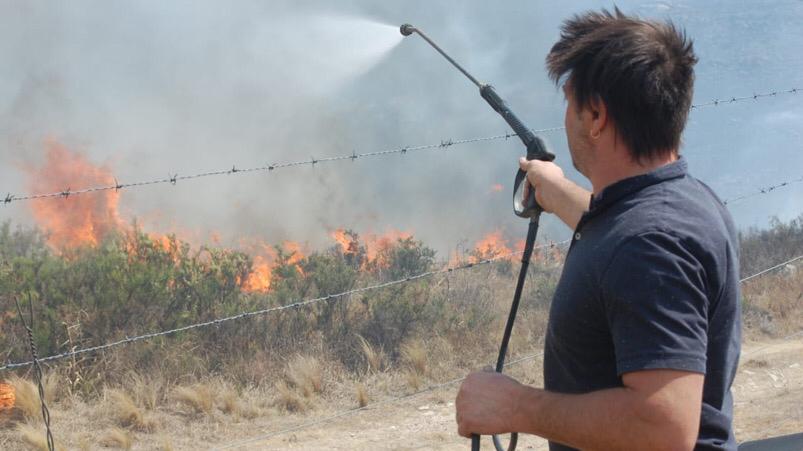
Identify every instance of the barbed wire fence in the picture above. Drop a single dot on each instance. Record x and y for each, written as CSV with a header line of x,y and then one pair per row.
x,y
397,399
174,178
295,305
444,144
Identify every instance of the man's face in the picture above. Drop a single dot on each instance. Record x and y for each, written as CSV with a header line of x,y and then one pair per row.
x,y
577,133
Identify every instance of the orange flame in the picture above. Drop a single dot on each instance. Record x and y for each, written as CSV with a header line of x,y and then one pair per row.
x,y
497,188
8,397
80,220
374,245
266,260
490,246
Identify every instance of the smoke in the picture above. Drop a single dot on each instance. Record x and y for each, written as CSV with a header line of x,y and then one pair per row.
x,y
153,88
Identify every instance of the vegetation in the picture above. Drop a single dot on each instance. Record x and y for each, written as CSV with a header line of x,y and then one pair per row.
x,y
359,347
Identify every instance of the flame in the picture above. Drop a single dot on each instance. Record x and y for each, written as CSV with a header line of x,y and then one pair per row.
x,y
8,397
261,275
74,221
490,246
374,246
266,259
497,188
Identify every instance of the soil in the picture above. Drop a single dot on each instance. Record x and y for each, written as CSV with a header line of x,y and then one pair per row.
x,y
768,394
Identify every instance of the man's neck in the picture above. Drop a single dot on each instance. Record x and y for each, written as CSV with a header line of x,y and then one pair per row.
x,y
621,167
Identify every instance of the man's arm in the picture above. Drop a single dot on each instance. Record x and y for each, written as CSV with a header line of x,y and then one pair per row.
x,y
656,409
555,193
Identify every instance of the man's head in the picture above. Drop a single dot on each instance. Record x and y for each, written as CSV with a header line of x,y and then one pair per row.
x,y
638,74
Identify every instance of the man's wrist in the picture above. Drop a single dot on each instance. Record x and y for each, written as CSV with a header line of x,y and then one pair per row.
x,y
525,408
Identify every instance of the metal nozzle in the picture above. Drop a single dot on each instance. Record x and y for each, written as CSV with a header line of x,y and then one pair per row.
x,y
407,29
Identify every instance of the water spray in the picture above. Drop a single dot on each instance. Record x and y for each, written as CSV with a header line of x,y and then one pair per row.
x,y
524,204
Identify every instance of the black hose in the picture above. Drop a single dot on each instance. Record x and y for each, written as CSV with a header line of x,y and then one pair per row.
x,y
529,244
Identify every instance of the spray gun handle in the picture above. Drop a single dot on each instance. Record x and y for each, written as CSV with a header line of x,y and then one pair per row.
x,y
536,150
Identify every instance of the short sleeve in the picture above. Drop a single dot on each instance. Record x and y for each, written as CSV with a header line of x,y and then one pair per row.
x,y
656,305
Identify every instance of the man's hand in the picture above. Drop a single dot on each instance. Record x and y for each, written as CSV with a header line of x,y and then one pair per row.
x,y
486,404
554,192
546,177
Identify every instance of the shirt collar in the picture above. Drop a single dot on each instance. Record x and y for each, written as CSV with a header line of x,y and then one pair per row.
x,y
612,193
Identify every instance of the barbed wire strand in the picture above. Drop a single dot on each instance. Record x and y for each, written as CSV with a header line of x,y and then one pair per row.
x,y
765,190
726,101
174,178
38,374
773,268
454,381
374,405
295,305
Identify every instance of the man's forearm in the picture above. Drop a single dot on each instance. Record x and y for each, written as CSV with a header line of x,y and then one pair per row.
x,y
570,201
608,419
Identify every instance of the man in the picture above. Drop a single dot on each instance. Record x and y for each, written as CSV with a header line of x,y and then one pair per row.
x,y
643,337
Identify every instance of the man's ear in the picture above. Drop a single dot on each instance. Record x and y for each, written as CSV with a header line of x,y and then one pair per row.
x,y
599,115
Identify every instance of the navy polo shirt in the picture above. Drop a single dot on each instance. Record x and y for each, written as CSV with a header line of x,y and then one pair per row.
x,y
651,281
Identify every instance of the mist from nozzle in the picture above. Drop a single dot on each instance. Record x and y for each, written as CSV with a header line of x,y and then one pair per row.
x,y
329,51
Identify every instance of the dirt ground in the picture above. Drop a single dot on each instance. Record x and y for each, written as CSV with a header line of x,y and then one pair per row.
x,y
768,394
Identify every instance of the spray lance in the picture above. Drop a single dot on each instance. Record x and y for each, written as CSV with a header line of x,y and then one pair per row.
x,y
525,207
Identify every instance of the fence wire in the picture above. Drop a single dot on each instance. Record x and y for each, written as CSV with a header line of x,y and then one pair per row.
x,y
312,161
764,190
458,380
295,305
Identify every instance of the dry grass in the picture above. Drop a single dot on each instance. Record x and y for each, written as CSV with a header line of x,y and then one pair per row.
x,y
305,373
375,358
127,414
415,355
289,399
200,398
33,436
27,403
250,410
362,395
414,380
229,401
117,438
148,392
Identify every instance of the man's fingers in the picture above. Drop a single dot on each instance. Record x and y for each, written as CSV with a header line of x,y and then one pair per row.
x,y
524,164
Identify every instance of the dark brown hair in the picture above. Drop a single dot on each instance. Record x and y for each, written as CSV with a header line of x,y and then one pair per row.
x,y
642,70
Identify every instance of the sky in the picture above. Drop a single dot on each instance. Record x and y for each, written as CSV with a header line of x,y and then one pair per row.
x,y
151,88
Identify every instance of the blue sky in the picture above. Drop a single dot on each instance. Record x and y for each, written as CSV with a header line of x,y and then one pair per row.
x,y
151,88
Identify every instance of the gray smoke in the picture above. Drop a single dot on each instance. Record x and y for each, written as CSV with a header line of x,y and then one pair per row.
x,y
153,88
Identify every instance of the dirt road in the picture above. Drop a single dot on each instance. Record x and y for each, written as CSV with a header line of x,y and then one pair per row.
x,y
768,393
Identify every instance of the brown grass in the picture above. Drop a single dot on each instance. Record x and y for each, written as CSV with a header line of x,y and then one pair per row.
x,y
305,373
27,403
126,413
117,438
200,398
33,436
147,392
229,401
250,410
362,395
375,358
413,379
289,399
415,355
